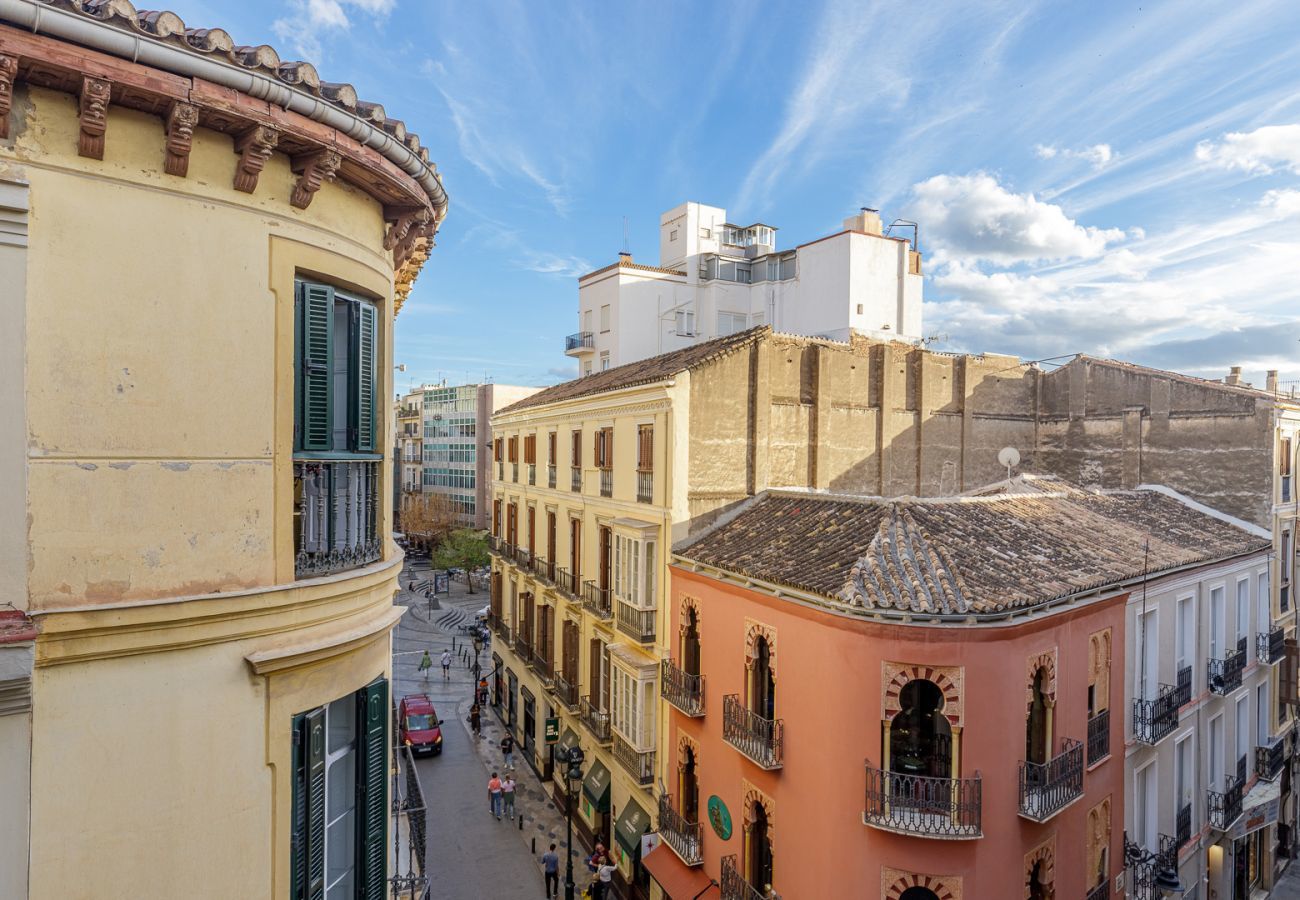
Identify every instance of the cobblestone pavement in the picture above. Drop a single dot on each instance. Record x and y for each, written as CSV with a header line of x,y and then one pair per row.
x,y
1288,887
470,855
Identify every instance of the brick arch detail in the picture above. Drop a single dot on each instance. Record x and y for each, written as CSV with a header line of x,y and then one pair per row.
x,y
686,742
753,631
1046,854
1046,661
1098,837
948,679
755,797
1099,656
689,604
893,882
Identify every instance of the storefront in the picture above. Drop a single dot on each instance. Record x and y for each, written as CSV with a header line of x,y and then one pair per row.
x,y
1252,840
595,803
633,824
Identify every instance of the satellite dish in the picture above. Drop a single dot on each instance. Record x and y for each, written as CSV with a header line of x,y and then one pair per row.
x,y
1009,457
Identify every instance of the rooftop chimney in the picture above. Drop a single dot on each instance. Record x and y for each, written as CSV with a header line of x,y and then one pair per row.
x,y
867,221
1234,376
624,256
1270,384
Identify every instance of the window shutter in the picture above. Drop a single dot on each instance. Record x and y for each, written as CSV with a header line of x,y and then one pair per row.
x,y
372,790
314,764
577,449
1287,676
597,449
317,312
363,372
298,833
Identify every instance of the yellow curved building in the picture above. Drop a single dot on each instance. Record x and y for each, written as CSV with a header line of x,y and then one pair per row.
x,y
202,250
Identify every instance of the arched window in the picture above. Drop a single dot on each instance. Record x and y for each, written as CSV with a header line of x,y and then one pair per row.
x,y
758,843
1037,740
920,738
689,786
1037,890
762,682
918,893
691,643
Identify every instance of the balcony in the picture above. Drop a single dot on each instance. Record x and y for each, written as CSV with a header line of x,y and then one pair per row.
x,y
681,689
1099,737
543,568
1154,720
1047,788
1142,875
682,836
1225,674
335,516
550,476
636,623
501,470
595,720
922,806
532,473
1286,488
607,482
645,485
1183,825
1225,808
640,764
575,479
524,558
1270,646
566,688
1101,891
514,467
762,740
580,343
1270,760
541,664
735,887
569,584
523,649
596,600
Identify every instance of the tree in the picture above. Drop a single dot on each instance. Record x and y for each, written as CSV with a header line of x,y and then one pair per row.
x,y
427,519
465,549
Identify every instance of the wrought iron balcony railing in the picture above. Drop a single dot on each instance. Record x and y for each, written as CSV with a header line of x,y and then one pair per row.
x,y
501,470
514,467
607,482
635,622
1154,720
1047,788
762,740
566,689
1225,808
596,600
1101,891
335,516
682,689
923,806
550,476
645,484
640,764
582,340
524,558
540,663
523,647
1142,875
1099,737
1270,646
569,583
532,473
735,887
682,836
1225,674
575,480
1183,824
1270,760
596,720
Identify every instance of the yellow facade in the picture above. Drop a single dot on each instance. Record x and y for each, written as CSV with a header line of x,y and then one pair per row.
x,y
152,499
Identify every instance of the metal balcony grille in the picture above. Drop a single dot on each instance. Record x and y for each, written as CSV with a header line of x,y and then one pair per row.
x,y
1101,891
762,740
550,476
596,720
640,764
1154,720
568,583
1225,674
596,600
515,470
566,689
635,622
735,887
1099,737
523,649
923,806
1225,808
1047,788
335,516
645,482
1184,825
579,341
1142,876
1183,686
1270,646
607,482
1270,760
501,471
532,473
575,480
541,664
682,836
681,689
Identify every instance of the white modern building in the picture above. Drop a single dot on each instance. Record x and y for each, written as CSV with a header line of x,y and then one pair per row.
x,y
714,278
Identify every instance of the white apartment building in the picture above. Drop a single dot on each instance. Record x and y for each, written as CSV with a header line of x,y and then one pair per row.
x,y
715,278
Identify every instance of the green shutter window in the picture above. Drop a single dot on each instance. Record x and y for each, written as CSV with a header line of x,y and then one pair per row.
x,y
314,830
373,715
316,305
363,370
298,835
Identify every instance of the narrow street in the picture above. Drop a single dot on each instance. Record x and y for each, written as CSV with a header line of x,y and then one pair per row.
x,y
471,855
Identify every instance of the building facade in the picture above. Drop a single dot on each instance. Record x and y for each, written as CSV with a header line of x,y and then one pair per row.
x,y
714,279
409,442
196,486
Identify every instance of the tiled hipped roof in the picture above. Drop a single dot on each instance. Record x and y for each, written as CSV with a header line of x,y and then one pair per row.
x,y
645,371
964,555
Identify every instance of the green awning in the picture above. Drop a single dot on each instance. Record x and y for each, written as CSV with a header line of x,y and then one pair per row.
x,y
596,786
633,822
567,741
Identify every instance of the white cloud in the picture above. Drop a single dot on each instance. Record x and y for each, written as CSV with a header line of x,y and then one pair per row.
x,y
1098,155
308,21
1258,152
975,217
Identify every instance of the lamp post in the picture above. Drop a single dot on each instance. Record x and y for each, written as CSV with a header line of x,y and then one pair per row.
x,y
1166,879
478,648
572,777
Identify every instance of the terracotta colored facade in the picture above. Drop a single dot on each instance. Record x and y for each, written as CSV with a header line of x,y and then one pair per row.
x,y
837,686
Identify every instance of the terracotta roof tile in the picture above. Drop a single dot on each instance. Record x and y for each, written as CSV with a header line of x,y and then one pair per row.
x,y
955,556
628,264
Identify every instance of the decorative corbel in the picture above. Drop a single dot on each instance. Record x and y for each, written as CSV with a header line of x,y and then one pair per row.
x,y
402,227
181,120
314,169
254,148
402,252
94,117
8,69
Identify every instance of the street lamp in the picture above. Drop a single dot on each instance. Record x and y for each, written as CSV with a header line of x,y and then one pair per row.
x,y
572,777
478,648
1166,879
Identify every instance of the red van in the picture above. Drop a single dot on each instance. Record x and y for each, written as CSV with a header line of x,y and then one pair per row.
x,y
420,726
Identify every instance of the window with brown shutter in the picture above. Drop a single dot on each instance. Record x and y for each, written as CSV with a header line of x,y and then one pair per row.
x,y
530,449
575,549
605,448
645,448
550,448
514,449
496,518
1287,675
532,530
576,462
498,449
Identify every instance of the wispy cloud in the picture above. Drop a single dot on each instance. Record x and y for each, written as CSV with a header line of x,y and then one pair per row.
x,y
309,21
1098,155
1258,152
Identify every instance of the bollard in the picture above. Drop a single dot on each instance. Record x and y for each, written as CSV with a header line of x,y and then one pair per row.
x,y
521,823
534,846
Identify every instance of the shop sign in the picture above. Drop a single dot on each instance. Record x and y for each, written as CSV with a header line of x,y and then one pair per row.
x,y
720,817
552,730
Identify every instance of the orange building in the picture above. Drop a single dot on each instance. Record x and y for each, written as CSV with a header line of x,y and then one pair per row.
x,y
909,699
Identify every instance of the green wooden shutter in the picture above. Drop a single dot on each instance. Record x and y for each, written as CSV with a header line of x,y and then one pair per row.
x,y
298,833
372,790
314,850
363,371
316,346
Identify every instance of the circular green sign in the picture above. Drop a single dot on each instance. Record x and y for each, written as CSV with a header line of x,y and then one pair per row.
x,y
719,818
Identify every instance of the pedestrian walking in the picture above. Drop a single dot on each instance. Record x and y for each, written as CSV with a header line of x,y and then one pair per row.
x,y
494,796
508,750
446,664
508,795
604,880
476,721
551,866
425,665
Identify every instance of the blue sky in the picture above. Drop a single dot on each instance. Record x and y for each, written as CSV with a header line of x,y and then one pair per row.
x,y
1110,178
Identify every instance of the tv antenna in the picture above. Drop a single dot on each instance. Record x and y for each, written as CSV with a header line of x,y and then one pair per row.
x,y
627,248
1009,457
